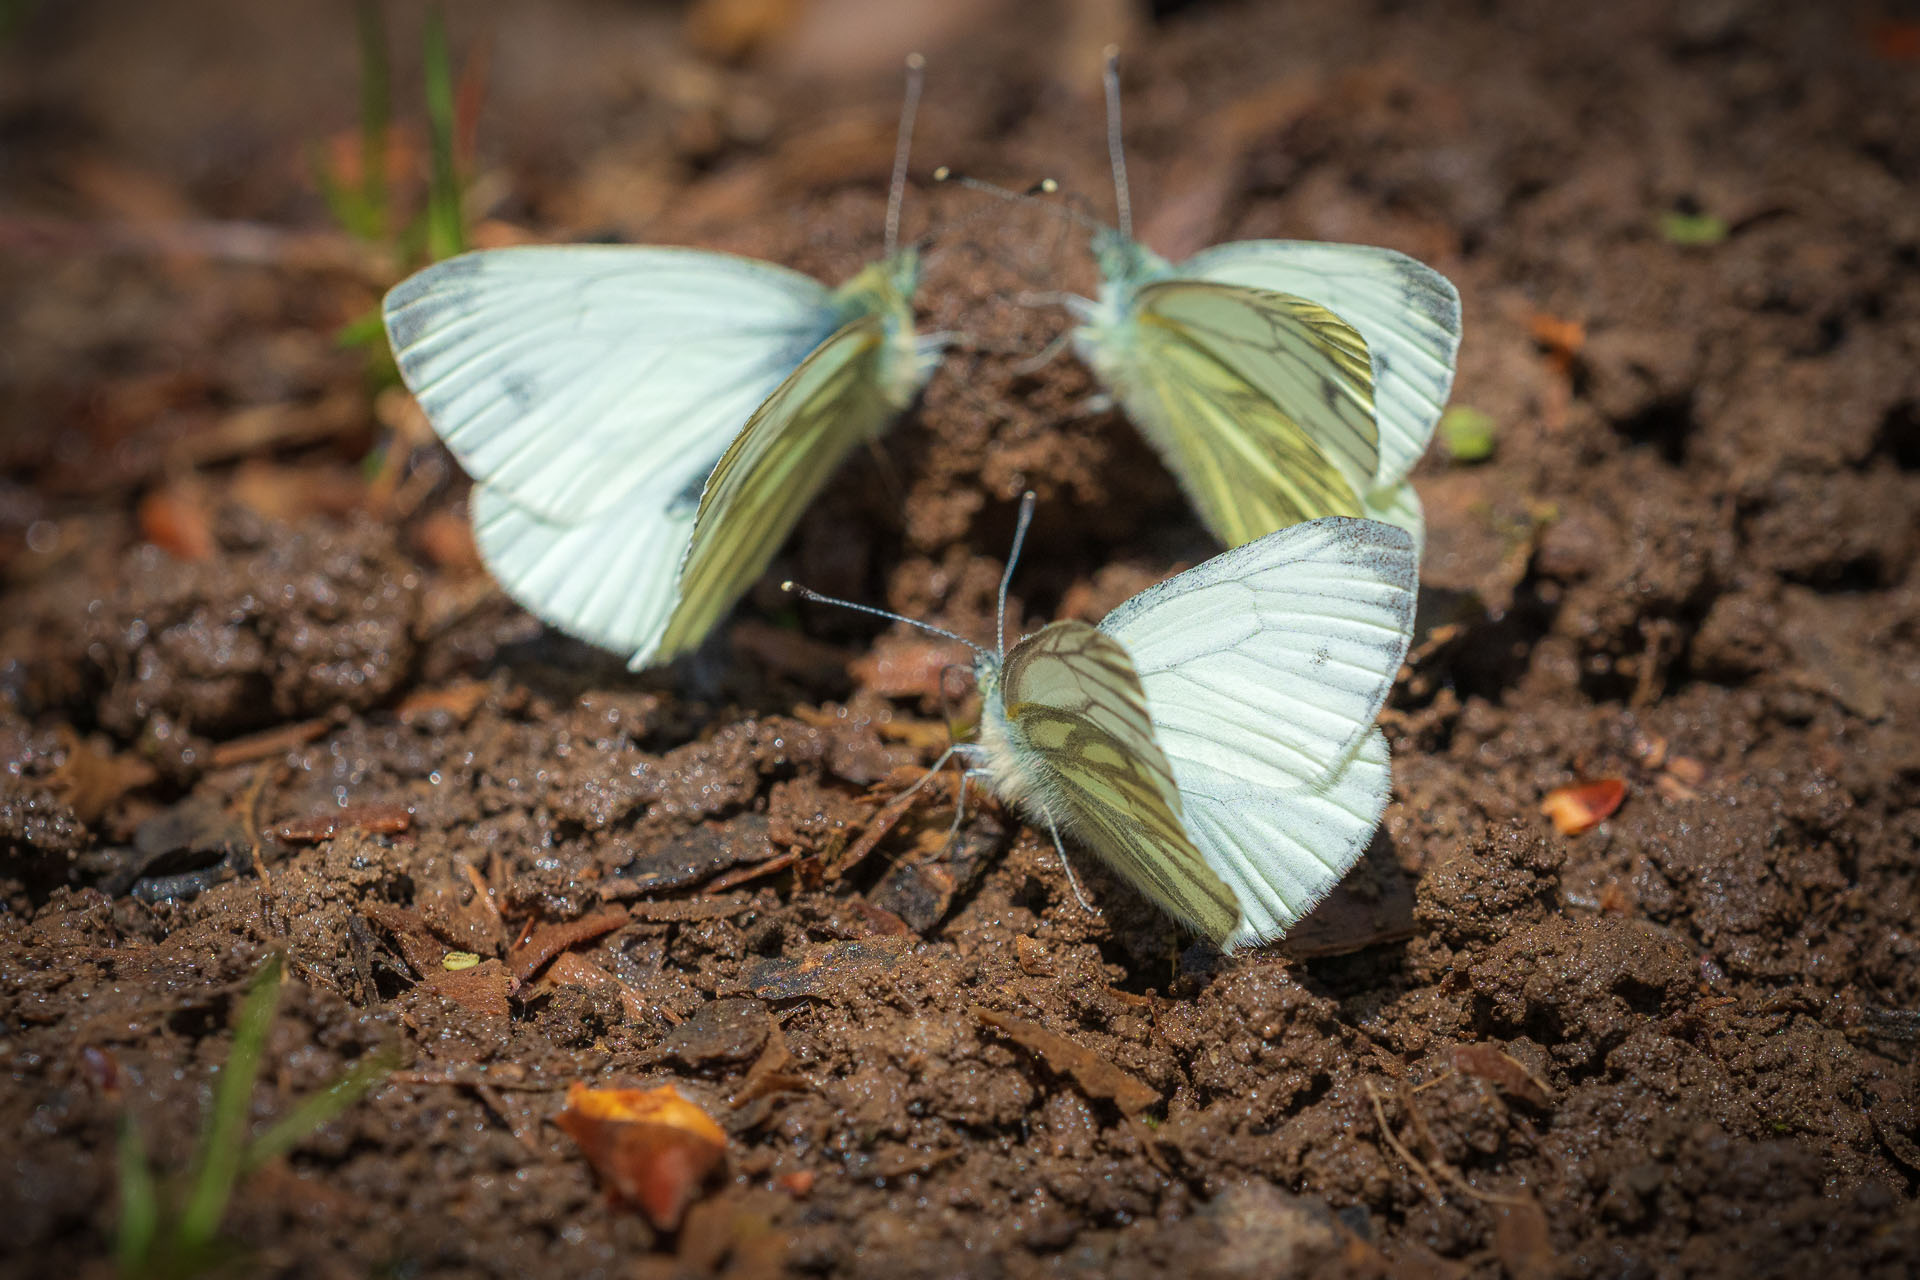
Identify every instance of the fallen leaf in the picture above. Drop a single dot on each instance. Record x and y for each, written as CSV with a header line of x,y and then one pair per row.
x,y
456,701
549,940
380,819
1097,1077
418,944
1522,1240
824,969
572,968
270,742
482,988
289,495
1563,339
91,781
176,520
1505,1073
651,1147
1583,805
446,541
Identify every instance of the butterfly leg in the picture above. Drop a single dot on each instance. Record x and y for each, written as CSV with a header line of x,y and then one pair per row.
x,y
1046,356
959,808
1060,848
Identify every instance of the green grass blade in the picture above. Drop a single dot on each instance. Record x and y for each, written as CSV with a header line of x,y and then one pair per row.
x,y
139,1204
223,1149
446,231
376,110
312,1112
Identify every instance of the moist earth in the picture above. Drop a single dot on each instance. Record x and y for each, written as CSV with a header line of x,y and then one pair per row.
x,y
256,695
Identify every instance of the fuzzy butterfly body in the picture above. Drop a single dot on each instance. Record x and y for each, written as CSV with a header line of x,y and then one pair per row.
x,y
1213,739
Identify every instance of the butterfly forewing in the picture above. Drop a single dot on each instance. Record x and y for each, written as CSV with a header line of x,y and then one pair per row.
x,y
1078,717
773,469
580,378
1267,663
1261,402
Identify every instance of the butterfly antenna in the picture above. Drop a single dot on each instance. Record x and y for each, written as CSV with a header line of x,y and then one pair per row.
x,y
1116,154
1006,579
902,147
814,597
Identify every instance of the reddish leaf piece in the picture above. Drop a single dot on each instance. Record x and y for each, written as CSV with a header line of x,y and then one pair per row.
x,y
482,990
651,1147
1583,805
549,940
176,520
381,819
1097,1077
1507,1074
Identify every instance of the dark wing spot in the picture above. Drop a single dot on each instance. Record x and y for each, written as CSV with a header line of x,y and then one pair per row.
x,y
688,499
520,389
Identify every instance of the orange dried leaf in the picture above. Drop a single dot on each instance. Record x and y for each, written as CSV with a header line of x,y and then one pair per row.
x,y
91,781
651,1147
531,954
1563,338
1096,1076
177,521
380,819
458,701
1503,1072
1583,805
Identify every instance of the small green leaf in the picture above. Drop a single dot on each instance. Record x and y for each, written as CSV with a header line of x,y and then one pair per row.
x,y
362,331
223,1144
446,227
1468,434
1692,230
139,1203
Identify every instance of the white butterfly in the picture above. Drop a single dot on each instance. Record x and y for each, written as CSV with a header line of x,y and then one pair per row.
x,y
645,425
1213,738
1280,379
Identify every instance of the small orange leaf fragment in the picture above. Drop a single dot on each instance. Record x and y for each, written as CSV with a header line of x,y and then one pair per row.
x,y
1583,805
177,521
651,1147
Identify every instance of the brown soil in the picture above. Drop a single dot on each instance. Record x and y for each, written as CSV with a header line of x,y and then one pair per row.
x,y
1679,1044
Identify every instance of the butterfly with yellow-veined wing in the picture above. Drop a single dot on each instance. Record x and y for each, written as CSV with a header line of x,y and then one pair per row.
x,y
1213,739
1281,380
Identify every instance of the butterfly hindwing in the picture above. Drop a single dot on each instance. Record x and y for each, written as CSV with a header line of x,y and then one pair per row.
x,y
1081,732
609,580
1260,402
1281,852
